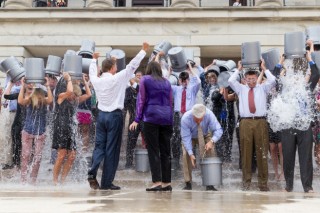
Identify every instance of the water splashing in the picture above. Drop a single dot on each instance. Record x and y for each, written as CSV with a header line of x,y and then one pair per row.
x,y
293,107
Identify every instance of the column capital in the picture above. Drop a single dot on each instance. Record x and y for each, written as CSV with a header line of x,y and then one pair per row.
x,y
16,4
100,3
185,3
263,3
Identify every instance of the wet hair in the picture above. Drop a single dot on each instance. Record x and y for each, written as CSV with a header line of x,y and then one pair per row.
x,y
107,64
38,98
76,89
154,69
184,76
138,71
211,74
251,72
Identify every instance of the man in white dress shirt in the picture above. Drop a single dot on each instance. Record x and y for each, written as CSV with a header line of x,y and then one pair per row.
x,y
110,92
253,124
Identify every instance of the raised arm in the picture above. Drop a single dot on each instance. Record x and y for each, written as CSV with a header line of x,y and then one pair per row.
x,y
22,99
64,95
49,97
86,96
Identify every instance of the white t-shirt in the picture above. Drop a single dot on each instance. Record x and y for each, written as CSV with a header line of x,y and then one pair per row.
x,y
237,4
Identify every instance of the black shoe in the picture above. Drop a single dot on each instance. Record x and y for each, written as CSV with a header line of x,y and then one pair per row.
x,y
188,186
211,188
7,166
155,189
93,183
264,188
113,187
167,188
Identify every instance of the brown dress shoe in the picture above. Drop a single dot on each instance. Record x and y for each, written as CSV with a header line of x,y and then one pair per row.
x,y
93,183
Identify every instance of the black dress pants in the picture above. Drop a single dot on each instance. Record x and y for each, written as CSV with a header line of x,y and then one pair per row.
x,y
157,138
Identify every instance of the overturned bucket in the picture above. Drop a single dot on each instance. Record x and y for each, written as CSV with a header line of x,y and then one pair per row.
x,y
142,160
211,171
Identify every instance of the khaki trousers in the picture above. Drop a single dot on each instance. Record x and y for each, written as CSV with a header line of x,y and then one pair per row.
x,y
187,165
254,132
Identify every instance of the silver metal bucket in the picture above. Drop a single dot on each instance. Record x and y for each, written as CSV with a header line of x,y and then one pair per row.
x,y
53,65
271,58
211,171
215,69
120,55
313,33
178,59
86,65
73,65
13,68
142,160
251,54
70,52
163,46
224,77
294,45
34,70
87,48
226,65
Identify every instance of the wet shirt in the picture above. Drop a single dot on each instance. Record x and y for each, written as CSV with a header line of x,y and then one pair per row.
x,y
189,128
154,102
260,94
35,122
191,94
110,89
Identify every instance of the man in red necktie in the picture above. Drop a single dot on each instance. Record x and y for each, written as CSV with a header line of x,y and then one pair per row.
x,y
184,98
253,124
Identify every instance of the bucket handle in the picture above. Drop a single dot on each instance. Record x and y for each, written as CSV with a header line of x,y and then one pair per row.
x,y
204,154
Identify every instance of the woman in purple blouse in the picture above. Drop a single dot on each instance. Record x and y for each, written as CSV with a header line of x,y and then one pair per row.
x,y
154,107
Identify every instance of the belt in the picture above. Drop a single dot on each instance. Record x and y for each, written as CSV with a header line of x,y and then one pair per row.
x,y
253,118
13,111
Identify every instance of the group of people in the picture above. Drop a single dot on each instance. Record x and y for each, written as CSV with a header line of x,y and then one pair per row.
x,y
171,120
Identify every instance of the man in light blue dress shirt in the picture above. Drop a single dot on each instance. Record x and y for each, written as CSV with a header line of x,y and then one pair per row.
x,y
212,131
188,87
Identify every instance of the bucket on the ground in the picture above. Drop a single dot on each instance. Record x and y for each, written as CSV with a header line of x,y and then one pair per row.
x,y
211,171
142,160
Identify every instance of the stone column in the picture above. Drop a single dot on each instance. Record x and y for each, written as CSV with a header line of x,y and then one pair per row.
x,y
185,3
275,3
100,3
15,4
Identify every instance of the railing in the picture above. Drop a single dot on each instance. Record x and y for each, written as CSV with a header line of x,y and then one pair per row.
x,y
163,3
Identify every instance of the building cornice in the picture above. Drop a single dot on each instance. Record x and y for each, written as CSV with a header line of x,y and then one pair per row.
x,y
149,14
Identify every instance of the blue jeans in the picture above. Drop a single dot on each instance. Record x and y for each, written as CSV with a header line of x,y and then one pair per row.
x,y
107,147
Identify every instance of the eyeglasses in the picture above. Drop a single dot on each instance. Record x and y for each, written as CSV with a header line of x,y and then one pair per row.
x,y
252,80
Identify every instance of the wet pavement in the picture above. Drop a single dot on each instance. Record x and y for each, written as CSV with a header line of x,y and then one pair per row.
x,y
70,199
